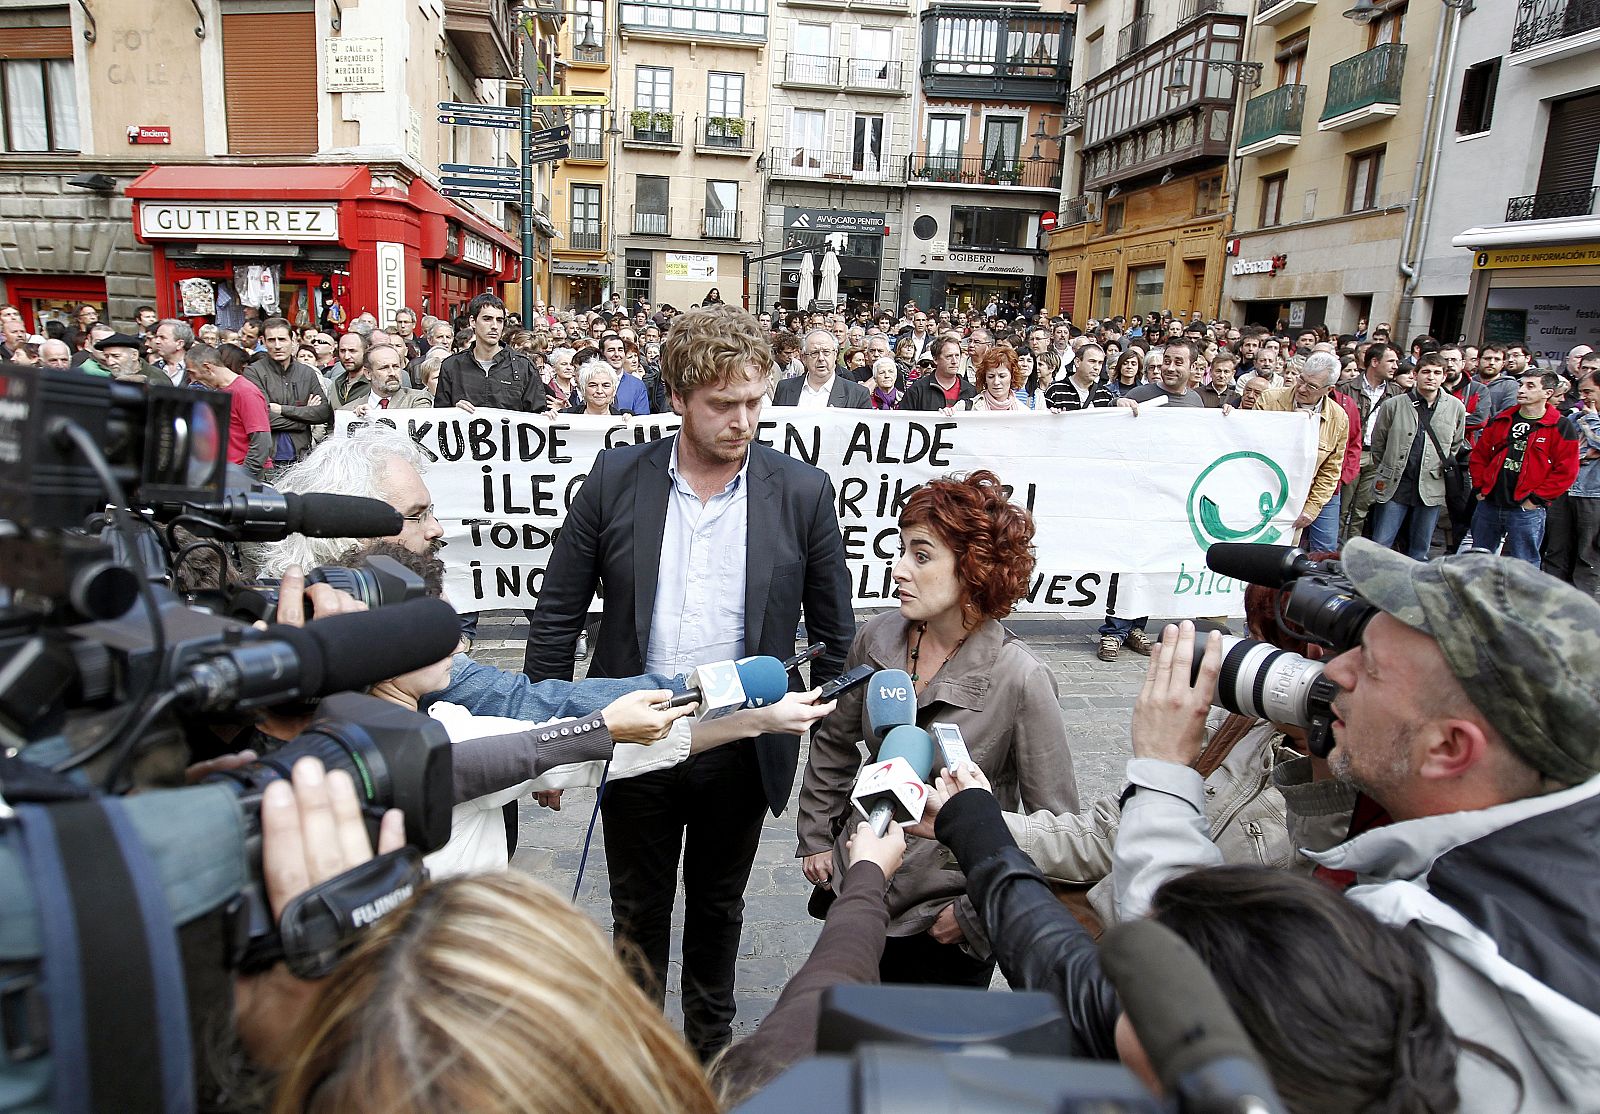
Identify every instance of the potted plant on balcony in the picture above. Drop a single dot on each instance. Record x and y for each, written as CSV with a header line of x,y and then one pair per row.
x,y
724,131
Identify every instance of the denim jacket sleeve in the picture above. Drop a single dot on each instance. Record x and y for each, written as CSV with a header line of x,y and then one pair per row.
x,y
486,691
1164,833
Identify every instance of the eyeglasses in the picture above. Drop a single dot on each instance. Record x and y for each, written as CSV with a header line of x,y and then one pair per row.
x,y
421,516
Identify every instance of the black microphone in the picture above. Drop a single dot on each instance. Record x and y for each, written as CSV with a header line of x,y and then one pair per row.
x,y
260,514
1271,566
1195,1044
340,653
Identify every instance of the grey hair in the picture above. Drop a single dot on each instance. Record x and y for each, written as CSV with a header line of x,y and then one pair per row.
x,y
181,332
354,465
885,362
805,341
590,366
560,354
362,328
1323,365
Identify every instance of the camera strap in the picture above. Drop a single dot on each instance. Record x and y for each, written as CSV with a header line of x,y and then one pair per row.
x,y
118,1025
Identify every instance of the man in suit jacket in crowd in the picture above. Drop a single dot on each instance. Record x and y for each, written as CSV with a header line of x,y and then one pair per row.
x,y
822,385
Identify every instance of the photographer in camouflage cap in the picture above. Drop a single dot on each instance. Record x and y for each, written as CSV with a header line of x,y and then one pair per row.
x,y
1471,714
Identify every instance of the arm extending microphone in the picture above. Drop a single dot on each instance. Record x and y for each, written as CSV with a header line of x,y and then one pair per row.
x,y
892,789
724,687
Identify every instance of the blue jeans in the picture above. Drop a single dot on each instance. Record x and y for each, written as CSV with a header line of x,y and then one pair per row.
x,y
1118,627
1522,531
1323,533
1386,519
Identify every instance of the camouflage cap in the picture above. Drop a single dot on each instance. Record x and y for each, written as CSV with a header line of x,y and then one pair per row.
x,y
1524,645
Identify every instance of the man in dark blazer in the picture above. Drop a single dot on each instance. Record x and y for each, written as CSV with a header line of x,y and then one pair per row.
x,y
707,545
822,385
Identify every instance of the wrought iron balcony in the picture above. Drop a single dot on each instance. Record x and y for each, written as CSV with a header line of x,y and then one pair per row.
x,y
653,222
1548,21
1364,87
1194,9
873,75
987,170
583,235
1270,13
591,148
1272,120
821,70
858,168
986,53
719,226
725,133
649,128
1547,206
1134,37
1072,117
1075,211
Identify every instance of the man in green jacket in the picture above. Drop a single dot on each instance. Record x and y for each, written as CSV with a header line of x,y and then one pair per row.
x,y
1414,436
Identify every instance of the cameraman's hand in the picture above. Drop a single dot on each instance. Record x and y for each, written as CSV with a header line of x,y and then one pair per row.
x,y
634,718
1169,717
325,600
887,850
949,782
310,832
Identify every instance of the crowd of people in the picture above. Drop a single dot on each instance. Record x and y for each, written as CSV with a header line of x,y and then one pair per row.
x,y
1405,925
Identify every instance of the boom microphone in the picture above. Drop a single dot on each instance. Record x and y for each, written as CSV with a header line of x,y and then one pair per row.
x,y
260,514
721,687
1271,566
341,653
892,787
891,701
1195,1044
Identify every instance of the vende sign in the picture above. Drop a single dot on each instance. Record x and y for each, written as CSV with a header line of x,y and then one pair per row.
x,y
164,220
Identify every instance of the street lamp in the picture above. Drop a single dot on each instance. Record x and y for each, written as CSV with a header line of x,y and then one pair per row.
x,y
1245,73
1363,12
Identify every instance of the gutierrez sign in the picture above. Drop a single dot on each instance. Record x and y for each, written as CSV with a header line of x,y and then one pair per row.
x,y
165,220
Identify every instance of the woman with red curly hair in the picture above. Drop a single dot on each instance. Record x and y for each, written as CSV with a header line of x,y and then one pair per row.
x,y
1000,381
966,557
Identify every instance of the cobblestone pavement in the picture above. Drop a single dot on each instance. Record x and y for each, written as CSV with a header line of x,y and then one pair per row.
x,y
1096,701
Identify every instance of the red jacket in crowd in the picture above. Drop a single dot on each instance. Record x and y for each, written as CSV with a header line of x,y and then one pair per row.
x,y
1548,467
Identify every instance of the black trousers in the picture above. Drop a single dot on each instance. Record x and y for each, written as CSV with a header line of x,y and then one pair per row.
x,y
922,959
708,809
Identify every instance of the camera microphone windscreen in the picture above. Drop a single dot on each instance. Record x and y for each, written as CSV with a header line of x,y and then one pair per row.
x,y
319,515
1189,1032
1271,566
350,652
891,701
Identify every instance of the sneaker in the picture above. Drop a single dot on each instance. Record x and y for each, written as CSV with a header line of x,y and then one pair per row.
x,y
1109,645
1139,642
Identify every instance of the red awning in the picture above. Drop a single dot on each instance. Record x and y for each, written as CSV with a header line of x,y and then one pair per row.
x,y
252,183
425,197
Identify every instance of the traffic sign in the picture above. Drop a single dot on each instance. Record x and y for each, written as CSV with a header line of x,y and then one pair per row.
x,y
549,154
571,100
467,108
548,136
475,171
482,192
507,124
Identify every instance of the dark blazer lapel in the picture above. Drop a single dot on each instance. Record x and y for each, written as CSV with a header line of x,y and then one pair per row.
x,y
839,396
761,524
652,489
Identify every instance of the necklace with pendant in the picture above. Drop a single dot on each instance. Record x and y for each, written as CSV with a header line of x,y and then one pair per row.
x,y
916,651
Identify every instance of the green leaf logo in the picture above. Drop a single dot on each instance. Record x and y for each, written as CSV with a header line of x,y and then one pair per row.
x,y
1229,474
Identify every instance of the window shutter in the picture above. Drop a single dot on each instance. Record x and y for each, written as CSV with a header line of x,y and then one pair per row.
x,y
36,42
1069,294
269,79
1571,145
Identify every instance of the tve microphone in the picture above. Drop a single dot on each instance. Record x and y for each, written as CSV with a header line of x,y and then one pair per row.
x,y
1271,566
260,514
341,653
1195,1044
892,787
891,701
722,687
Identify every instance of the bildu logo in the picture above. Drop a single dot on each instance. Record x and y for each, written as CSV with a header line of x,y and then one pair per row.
x,y
1235,498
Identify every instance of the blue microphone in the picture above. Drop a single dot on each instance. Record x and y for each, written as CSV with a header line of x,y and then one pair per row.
x,y
892,788
720,687
891,701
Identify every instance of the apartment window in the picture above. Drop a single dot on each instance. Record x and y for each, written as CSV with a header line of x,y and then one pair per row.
x,y
1102,293
585,230
725,95
270,95
722,210
651,214
808,137
652,88
1478,85
586,141
1114,215
1389,27
871,59
1366,168
1208,195
1272,188
944,142
1149,289
810,60
589,15
1002,144
40,97
974,227
866,147
1291,58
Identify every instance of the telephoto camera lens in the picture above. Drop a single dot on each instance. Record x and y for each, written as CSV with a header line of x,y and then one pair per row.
x,y
1331,612
1264,682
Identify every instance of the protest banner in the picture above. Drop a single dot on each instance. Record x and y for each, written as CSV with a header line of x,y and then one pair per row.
x,y
1125,505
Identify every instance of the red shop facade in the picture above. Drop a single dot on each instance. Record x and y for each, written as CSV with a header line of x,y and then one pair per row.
x,y
316,244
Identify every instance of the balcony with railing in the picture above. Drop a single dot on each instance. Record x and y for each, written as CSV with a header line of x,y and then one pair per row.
x,y
1549,206
649,128
582,234
591,55
651,222
1194,9
719,226
1272,120
988,53
732,21
1364,88
813,71
484,32
861,168
1162,108
874,75
1075,211
590,147
1270,13
985,170
1549,30
724,135
1134,37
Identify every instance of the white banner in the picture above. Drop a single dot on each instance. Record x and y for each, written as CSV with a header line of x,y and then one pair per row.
x,y
1125,506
